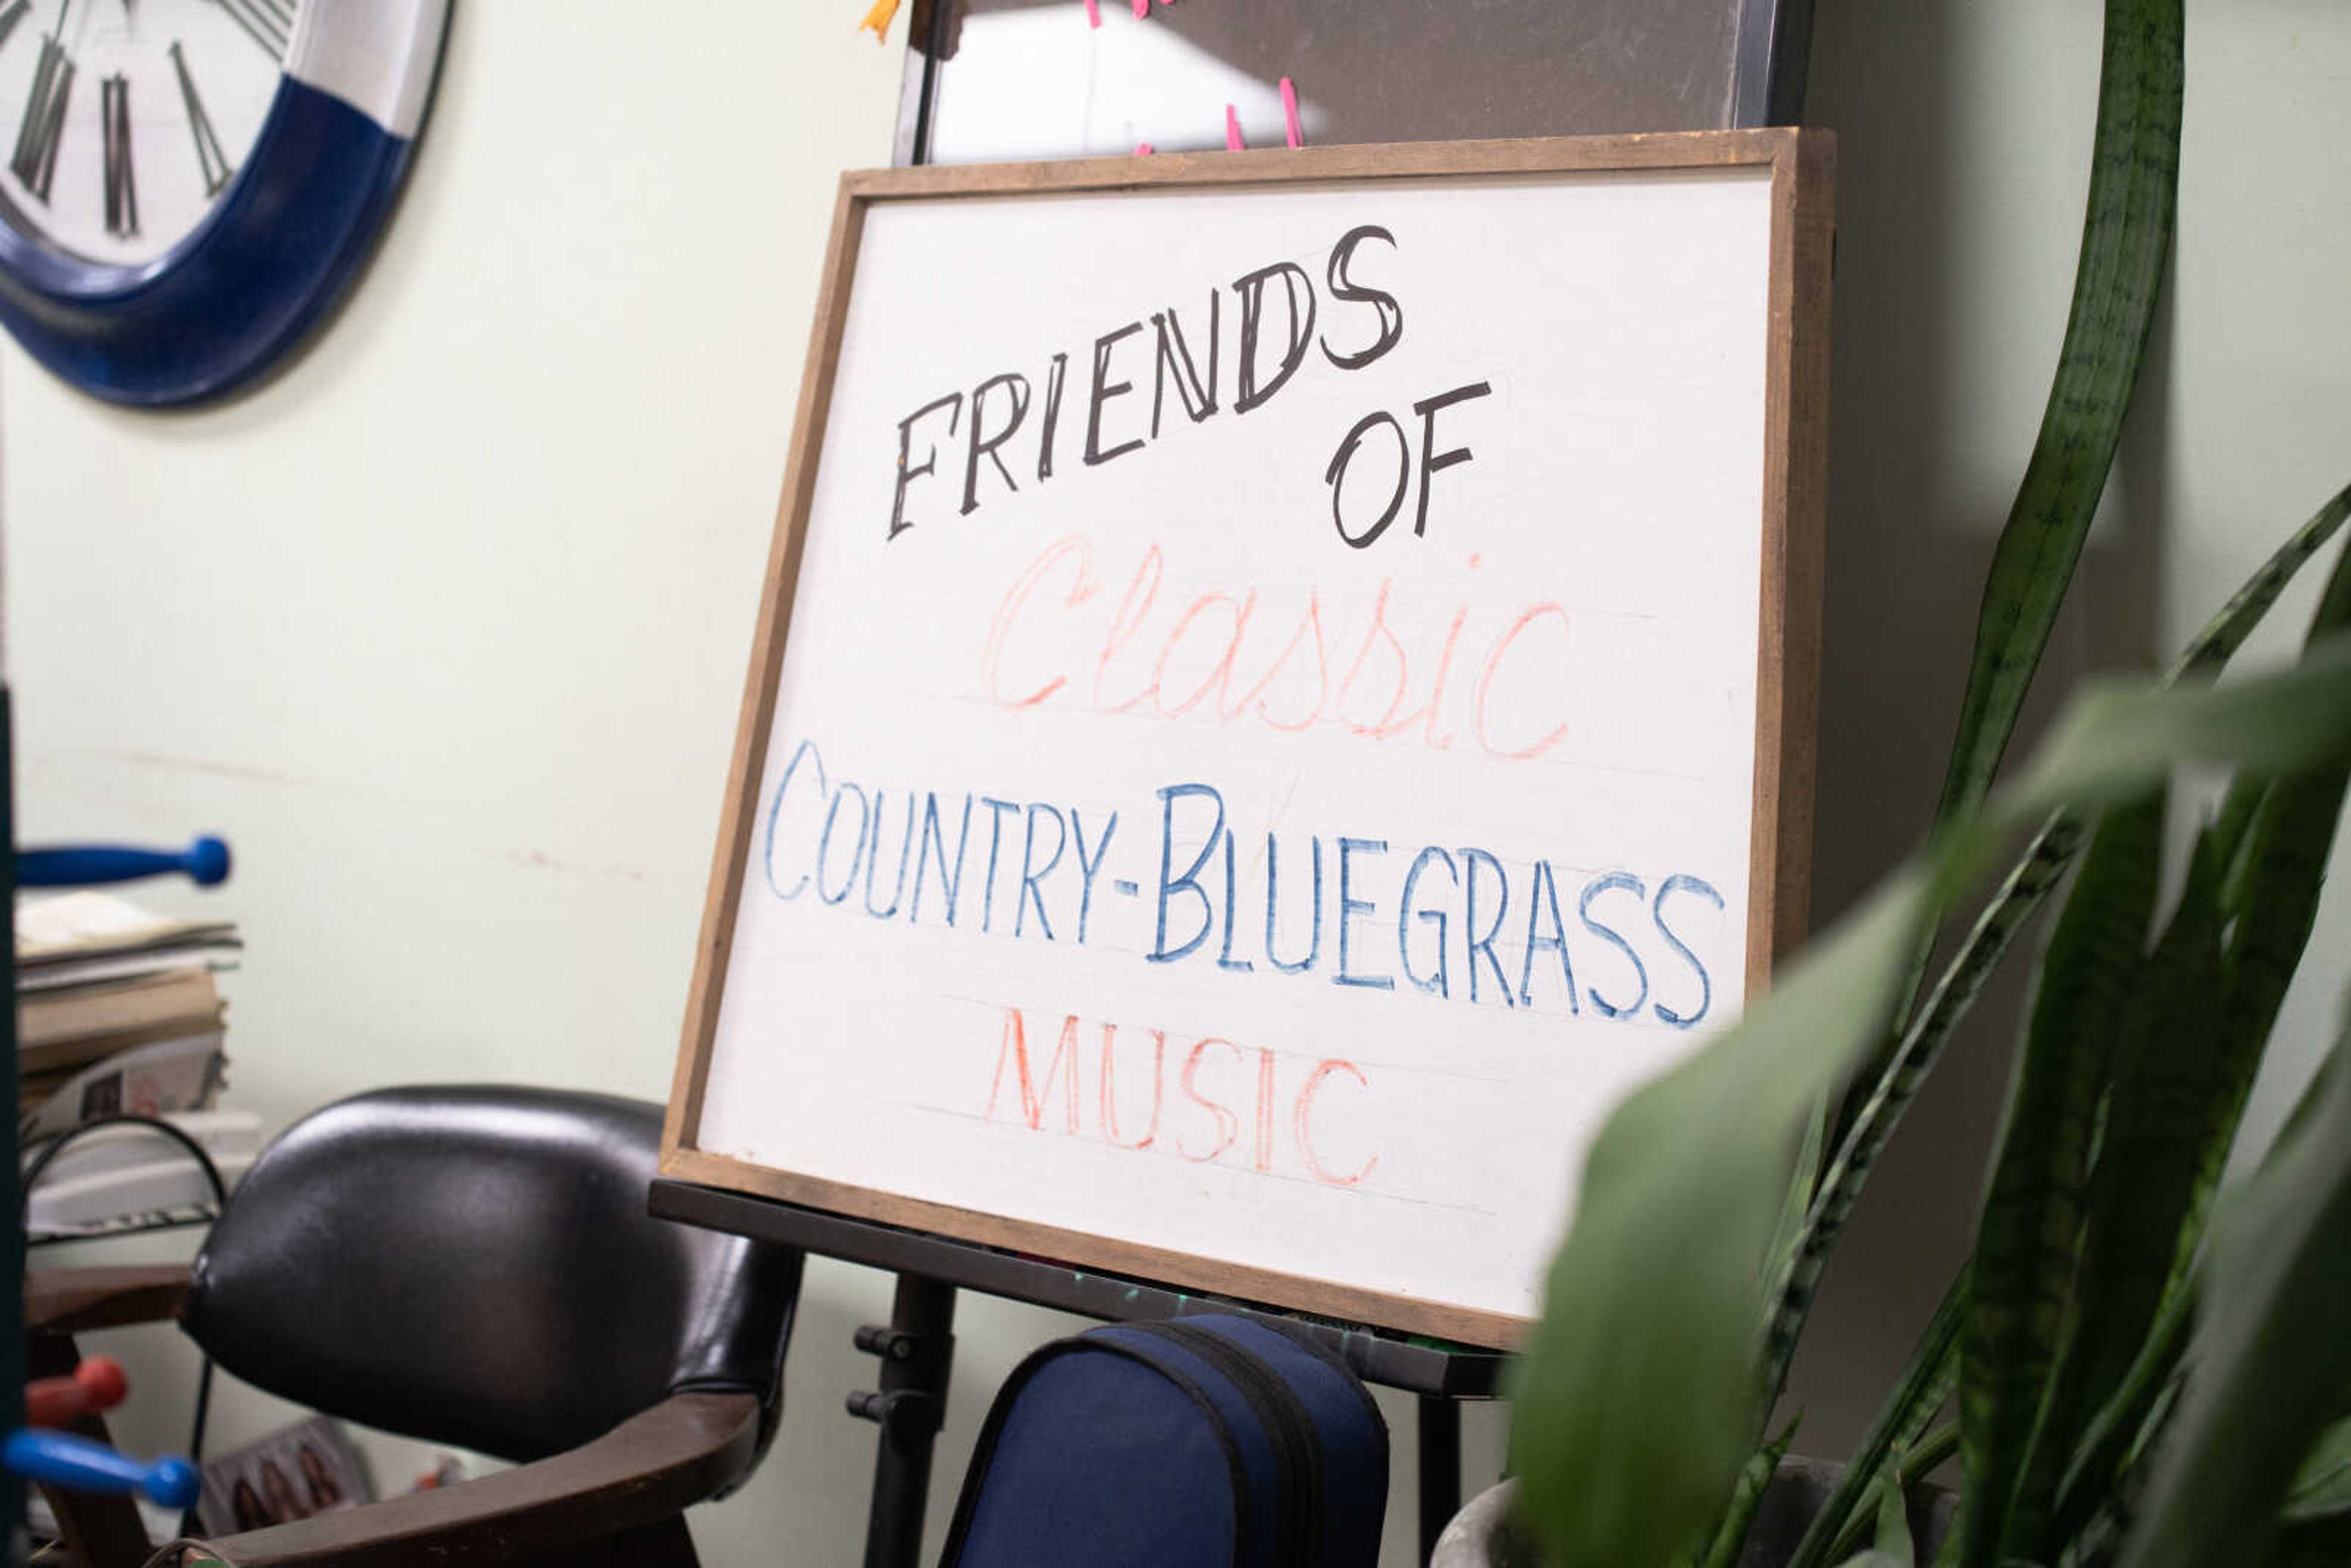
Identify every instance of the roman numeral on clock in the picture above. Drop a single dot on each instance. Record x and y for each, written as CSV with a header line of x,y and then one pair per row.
x,y
209,156
268,23
36,158
121,190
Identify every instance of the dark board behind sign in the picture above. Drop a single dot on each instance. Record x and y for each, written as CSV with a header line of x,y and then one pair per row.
x,y
1030,78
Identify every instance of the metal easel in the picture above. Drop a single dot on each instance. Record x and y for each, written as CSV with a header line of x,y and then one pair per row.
x,y
916,1347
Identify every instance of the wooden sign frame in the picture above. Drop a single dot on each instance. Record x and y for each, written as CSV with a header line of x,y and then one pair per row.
x,y
1801,163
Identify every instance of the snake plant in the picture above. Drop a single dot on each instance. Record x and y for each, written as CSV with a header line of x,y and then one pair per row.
x,y
2146,1369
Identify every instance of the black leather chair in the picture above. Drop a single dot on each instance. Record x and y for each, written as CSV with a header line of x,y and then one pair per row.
x,y
474,1267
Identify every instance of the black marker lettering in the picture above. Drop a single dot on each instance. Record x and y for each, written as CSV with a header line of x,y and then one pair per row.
x,y
908,470
1103,391
1432,460
1345,287
1249,394
1199,400
986,445
1051,420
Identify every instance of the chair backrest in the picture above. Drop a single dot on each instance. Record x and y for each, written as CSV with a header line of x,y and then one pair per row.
x,y
475,1266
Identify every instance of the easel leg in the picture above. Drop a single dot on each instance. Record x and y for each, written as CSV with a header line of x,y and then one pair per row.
x,y
916,1349
1440,1469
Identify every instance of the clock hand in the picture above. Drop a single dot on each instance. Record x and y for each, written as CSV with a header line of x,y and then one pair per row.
x,y
121,190
36,158
210,159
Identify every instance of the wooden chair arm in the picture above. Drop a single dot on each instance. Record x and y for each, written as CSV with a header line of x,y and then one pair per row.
x,y
72,1300
682,1451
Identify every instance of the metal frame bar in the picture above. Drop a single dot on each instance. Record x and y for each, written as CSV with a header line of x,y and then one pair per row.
x,y
1413,1365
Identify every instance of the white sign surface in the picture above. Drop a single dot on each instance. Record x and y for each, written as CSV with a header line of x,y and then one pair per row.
x,y
1265,750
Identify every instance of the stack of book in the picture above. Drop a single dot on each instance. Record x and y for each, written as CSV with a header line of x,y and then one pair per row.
x,y
118,1014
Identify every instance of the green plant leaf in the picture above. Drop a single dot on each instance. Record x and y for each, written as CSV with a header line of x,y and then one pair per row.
x,y
2021,895
2116,735
1891,1547
2271,893
1731,1540
2029,1238
2271,1359
1636,1396
1896,1077
2125,238
1894,1526
2126,233
2117,1437
2322,1488
2163,1075
2315,1528
1918,1461
2226,632
1797,1202
1925,1384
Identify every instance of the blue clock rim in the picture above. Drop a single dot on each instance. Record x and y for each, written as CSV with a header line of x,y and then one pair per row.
x,y
261,270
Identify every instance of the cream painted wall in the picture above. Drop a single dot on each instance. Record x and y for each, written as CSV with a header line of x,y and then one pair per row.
x,y
444,630
444,627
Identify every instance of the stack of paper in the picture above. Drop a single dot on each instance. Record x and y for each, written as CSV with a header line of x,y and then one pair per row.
x,y
76,938
116,1010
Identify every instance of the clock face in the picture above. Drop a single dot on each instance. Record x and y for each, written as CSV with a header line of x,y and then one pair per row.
x,y
124,121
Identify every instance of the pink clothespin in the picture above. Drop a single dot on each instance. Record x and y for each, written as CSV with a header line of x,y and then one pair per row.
x,y
1141,9
1093,13
1290,113
1143,149
1233,142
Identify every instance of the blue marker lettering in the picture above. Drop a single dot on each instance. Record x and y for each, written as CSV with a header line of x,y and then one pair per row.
x,y
932,835
1543,899
824,844
1592,890
1029,879
874,859
1225,959
1437,983
1349,905
1484,943
1090,866
805,751
1189,882
1274,903
995,810
1679,883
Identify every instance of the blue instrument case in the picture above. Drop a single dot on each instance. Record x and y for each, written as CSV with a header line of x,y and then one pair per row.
x,y
1213,1441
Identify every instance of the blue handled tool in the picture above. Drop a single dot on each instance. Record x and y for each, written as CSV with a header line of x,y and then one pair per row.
x,y
77,1464
205,862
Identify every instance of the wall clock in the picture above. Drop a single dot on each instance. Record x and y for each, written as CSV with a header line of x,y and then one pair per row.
x,y
190,184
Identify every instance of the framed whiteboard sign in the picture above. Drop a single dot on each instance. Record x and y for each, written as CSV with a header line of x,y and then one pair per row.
x,y
1284,689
